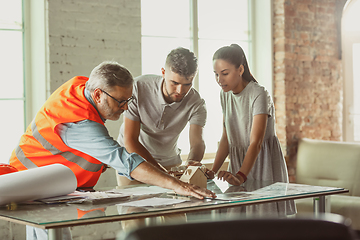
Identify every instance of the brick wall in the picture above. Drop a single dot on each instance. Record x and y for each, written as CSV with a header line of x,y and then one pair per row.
x,y
83,33
308,81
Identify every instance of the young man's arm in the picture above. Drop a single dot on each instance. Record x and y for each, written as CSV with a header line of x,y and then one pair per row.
x,y
197,145
221,153
132,144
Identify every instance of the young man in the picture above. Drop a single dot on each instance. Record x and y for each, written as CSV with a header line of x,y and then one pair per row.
x,y
163,105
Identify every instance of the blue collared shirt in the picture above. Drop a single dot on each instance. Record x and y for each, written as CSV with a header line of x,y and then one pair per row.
x,y
93,139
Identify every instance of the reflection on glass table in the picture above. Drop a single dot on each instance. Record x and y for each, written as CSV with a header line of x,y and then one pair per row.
x,y
231,200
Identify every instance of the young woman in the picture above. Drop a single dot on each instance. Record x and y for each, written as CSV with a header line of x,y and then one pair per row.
x,y
249,137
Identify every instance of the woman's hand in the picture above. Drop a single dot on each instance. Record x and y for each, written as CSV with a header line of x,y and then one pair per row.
x,y
230,178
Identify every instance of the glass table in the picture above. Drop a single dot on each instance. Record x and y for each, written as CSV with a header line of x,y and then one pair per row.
x,y
57,216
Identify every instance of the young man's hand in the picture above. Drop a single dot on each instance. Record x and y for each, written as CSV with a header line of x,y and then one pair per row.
x,y
192,163
210,173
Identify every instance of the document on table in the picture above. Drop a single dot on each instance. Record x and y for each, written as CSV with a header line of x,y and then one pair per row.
x,y
153,202
280,188
139,191
239,196
86,197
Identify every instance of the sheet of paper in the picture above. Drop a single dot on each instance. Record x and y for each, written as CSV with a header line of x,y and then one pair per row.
x,y
223,185
280,188
239,196
139,191
98,196
153,202
37,183
59,199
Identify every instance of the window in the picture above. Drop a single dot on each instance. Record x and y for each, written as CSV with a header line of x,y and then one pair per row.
x,y
12,96
351,71
356,89
202,26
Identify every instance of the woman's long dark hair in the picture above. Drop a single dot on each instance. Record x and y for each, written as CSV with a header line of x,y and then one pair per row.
x,y
235,55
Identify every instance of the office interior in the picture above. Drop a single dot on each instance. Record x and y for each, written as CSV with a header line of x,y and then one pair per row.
x,y
303,51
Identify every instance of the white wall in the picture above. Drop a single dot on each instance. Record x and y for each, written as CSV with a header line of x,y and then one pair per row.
x,y
262,50
79,35
69,38
350,39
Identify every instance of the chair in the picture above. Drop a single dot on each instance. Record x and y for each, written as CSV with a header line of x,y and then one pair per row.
x,y
329,227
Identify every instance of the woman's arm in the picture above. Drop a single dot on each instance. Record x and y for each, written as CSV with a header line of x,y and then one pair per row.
x,y
257,134
256,139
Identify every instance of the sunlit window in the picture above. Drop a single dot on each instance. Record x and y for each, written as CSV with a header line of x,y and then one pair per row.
x,y
167,24
12,99
356,89
351,62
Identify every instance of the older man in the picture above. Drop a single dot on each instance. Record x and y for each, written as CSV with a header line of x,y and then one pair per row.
x,y
69,129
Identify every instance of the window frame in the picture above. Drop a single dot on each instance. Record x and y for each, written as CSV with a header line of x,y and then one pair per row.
x,y
23,97
349,37
260,14
36,62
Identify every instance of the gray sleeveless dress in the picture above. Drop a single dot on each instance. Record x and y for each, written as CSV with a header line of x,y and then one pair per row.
x,y
239,110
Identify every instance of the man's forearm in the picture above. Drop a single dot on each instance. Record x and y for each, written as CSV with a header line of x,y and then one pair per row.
x,y
197,152
147,173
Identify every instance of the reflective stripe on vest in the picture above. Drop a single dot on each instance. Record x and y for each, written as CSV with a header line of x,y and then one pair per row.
x,y
40,145
83,163
24,160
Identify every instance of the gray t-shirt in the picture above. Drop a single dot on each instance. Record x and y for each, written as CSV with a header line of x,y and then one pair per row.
x,y
162,123
239,111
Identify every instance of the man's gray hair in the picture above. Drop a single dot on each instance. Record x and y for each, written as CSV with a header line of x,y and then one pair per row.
x,y
107,75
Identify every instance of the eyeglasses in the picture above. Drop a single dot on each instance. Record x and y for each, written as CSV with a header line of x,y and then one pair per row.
x,y
121,103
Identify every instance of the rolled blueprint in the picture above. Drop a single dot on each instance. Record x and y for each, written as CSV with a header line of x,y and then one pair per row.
x,y
37,183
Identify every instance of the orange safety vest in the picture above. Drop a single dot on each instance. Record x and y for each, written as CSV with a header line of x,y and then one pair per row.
x,y
40,145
